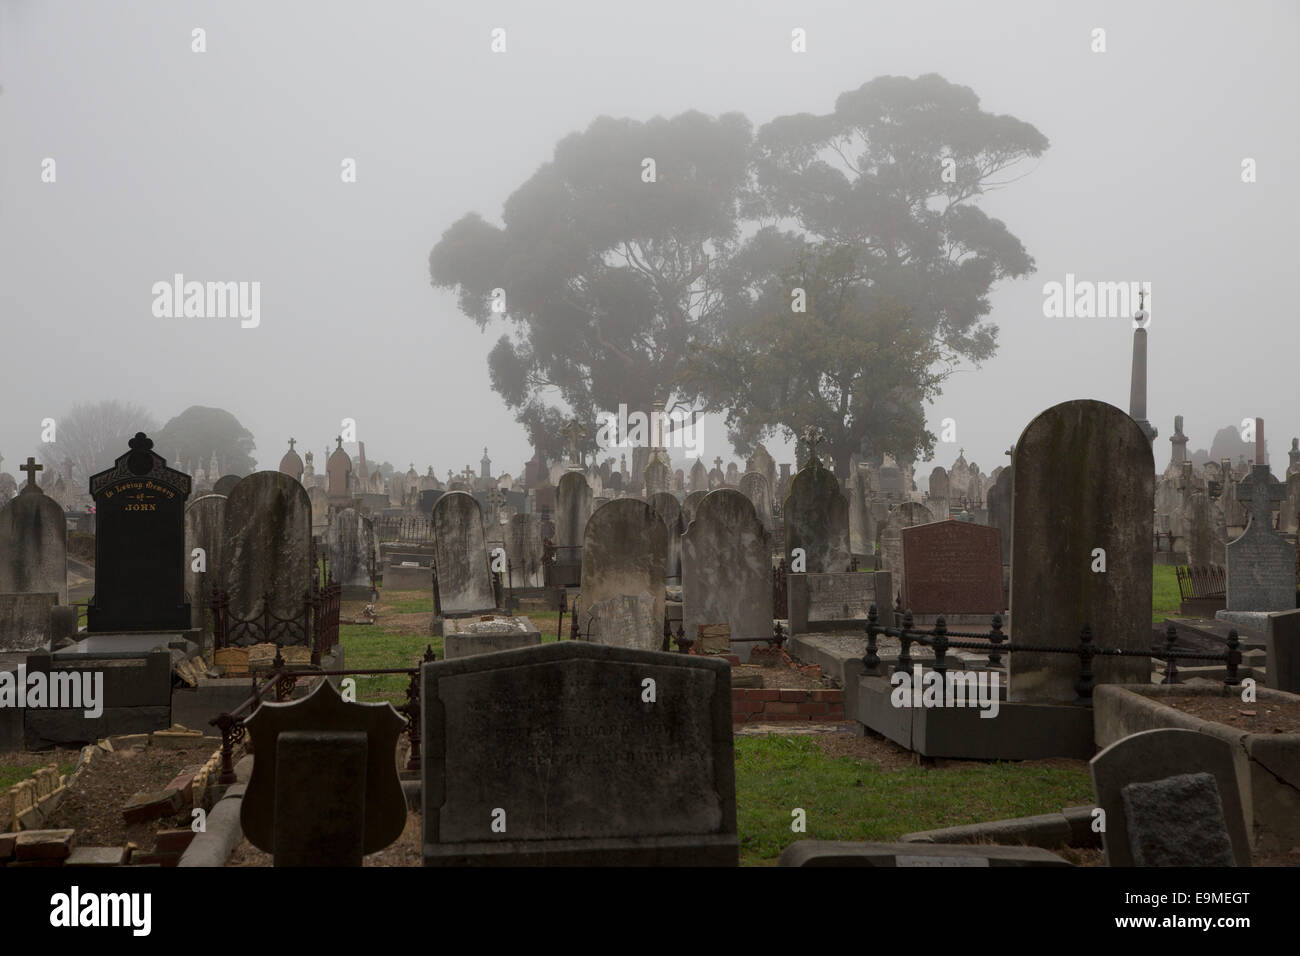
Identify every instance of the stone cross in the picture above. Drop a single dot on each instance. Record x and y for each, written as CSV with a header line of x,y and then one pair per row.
x,y
812,436
31,468
339,439
1260,492
291,443
575,433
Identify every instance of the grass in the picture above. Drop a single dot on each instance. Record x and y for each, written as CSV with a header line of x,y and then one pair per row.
x,y
11,774
846,798
1164,592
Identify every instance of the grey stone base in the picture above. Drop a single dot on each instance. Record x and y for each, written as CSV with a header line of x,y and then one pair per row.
x,y
644,851
1255,620
1020,731
43,729
1071,827
464,645
407,579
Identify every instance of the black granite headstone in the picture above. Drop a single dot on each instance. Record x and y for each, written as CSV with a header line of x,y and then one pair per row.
x,y
139,544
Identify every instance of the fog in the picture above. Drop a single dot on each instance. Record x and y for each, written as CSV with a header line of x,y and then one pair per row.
x,y
225,165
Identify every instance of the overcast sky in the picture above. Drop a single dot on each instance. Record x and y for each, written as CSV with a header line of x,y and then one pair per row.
x,y
225,165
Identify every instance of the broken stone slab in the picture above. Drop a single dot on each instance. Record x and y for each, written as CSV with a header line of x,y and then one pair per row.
x,y
44,844
152,804
7,842
87,856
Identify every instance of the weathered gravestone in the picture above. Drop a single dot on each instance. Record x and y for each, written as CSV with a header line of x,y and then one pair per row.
x,y
1282,650
691,505
573,498
1173,823
320,509
836,601
817,520
669,509
727,571
1083,486
952,567
1261,563
139,544
889,539
33,541
999,503
267,563
555,755
226,484
324,789
624,556
205,550
755,487
351,539
25,621
460,556
524,551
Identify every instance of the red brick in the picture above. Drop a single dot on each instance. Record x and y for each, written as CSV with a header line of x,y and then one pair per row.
x,y
769,694
738,718
812,707
794,696
829,695
184,785
746,706
835,713
781,707
173,841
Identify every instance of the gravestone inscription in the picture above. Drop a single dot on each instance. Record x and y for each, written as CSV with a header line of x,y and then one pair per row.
x,y
952,567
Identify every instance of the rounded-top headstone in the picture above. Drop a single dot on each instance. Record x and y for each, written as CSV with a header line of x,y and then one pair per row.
x,y
268,545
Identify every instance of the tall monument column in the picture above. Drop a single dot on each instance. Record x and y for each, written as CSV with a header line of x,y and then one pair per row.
x,y
1137,394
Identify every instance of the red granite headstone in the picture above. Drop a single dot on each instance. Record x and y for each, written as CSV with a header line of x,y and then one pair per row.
x,y
952,567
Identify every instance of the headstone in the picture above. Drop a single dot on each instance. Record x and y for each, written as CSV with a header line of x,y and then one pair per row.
x,y
487,636
225,485
324,790
338,469
205,531
268,549
551,755
572,509
139,544
460,556
755,487
1177,821
351,540
1282,650
1199,531
524,551
1083,486
669,510
952,567
727,570
625,552
889,544
999,506
836,601
33,542
658,477
1261,563
25,621
291,464
817,520
691,505
699,477
1157,755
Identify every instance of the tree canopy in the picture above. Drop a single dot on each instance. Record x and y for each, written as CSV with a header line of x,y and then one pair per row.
x,y
196,433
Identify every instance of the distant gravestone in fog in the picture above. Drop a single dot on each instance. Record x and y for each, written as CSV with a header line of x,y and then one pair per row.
x,y
205,529
351,539
139,544
524,551
624,555
999,504
1084,481
690,505
817,520
573,498
755,487
1261,563
460,556
668,508
268,546
225,484
727,571
33,542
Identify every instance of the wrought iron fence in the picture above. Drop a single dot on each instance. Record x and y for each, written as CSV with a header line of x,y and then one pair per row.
x,y
1201,581
993,642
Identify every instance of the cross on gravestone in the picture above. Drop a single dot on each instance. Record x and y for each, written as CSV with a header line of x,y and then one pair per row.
x,y
339,439
812,437
575,433
291,443
1261,493
31,468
